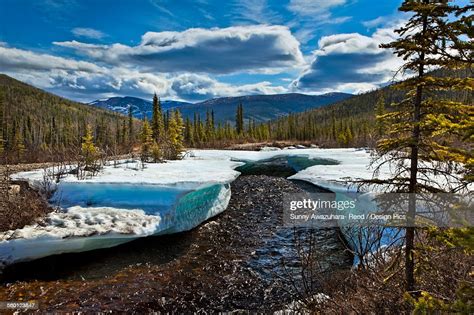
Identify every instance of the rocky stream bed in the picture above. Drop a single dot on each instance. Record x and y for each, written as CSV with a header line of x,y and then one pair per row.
x,y
243,259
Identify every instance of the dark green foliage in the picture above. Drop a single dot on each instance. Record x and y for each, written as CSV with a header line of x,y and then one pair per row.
x,y
157,119
37,126
239,119
352,122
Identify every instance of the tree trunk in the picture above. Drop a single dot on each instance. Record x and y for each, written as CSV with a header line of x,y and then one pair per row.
x,y
412,189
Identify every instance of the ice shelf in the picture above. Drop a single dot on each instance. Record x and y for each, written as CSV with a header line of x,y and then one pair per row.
x,y
124,202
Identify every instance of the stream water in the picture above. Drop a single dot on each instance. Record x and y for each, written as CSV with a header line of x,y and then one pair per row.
x,y
242,259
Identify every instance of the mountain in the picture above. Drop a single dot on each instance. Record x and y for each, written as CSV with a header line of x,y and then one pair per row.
x,y
257,107
140,107
261,108
36,125
351,122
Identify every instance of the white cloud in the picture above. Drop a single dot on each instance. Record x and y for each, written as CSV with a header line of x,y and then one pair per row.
x,y
375,22
350,63
313,7
199,87
86,81
217,50
12,59
88,33
255,12
311,15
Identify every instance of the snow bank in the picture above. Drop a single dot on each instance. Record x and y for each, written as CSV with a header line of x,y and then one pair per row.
x,y
121,204
171,173
125,202
78,229
349,164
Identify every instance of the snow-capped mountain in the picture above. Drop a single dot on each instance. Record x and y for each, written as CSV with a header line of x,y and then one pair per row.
x,y
257,107
140,107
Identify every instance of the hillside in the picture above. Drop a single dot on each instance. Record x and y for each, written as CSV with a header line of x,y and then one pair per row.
x,y
259,108
36,125
350,122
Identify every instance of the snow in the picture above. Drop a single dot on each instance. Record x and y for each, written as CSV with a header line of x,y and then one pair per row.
x,y
353,163
171,173
121,204
76,230
125,202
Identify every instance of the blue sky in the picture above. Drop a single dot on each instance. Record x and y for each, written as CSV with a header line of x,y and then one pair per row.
x,y
195,50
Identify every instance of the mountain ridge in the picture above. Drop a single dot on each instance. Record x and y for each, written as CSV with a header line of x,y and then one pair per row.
x,y
260,108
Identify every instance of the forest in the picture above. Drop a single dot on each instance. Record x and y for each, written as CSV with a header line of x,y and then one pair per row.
x,y
38,126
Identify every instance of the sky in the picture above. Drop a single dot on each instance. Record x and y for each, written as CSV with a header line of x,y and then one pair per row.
x,y
193,50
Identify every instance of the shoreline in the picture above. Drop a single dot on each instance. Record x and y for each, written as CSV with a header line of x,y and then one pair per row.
x,y
228,261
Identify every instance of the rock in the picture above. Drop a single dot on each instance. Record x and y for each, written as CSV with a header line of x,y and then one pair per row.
x,y
14,189
270,149
314,146
300,146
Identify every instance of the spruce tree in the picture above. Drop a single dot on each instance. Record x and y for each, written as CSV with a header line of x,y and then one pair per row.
x,y
379,115
175,134
89,151
426,129
157,119
239,119
146,140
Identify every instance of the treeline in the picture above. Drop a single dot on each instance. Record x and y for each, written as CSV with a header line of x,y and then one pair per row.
x,y
39,126
348,123
204,132
162,138
352,122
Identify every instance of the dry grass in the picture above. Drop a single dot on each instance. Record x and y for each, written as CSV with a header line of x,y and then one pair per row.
x,y
19,208
441,271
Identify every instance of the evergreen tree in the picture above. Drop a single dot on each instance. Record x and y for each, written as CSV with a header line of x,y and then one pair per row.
x,y
146,140
423,128
189,132
175,133
89,151
209,126
379,115
156,152
157,119
239,119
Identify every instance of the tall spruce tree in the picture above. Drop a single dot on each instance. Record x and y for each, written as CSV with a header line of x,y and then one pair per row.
x,y
175,134
425,130
239,119
146,140
157,125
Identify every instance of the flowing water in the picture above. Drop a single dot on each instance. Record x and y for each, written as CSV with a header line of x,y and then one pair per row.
x,y
242,259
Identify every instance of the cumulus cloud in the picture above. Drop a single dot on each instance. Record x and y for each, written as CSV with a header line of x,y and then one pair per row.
x,y
200,87
216,50
88,33
350,62
86,81
13,59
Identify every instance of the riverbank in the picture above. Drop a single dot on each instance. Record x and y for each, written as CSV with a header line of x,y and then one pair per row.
x,y
244,259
